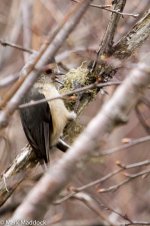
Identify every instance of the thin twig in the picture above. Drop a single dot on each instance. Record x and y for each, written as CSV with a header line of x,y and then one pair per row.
x,y
27,14
134,165
107,41
125,146
136,223
101,180
107,8
19,47
129,178
115,11
93,205
93,183
79,90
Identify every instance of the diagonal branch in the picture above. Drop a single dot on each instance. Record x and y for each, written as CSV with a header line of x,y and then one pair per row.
x,y
22,48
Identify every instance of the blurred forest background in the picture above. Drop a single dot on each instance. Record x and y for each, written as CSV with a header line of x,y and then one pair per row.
x,y
27,23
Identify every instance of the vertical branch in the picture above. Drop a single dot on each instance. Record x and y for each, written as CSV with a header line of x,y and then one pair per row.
x,y
13,33
27,23
107,41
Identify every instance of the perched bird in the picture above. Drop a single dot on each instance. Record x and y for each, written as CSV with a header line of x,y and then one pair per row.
x,y
43,124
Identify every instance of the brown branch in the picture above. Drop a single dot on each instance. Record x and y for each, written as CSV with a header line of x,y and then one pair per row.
x,y
93,205
18,170
125,146
107,41
134,165
27,13
113,114
136,223
134,39
91,184
19,47
103,179
107,8
130,177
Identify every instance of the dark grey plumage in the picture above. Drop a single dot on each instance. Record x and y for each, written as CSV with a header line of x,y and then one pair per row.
x,y
37,124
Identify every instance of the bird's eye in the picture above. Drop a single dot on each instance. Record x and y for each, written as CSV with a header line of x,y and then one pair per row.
x,y
48,71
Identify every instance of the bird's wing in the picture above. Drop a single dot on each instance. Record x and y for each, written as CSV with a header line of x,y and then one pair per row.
x,y
38,127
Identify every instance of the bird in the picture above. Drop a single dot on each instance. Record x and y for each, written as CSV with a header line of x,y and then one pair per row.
x,y
43,124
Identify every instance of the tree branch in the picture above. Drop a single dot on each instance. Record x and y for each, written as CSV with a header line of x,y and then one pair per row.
x,y
134,39
107,41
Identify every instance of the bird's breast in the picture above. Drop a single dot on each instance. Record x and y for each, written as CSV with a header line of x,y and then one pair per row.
x,y
58,111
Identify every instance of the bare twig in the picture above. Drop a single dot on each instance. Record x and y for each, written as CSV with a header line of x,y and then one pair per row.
x,y
134,165
103,179
107,41
130,177
5,43
93,183
93,205
14,33
95,6
107,8
125,146
79,90
27,23
14,174
136,223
